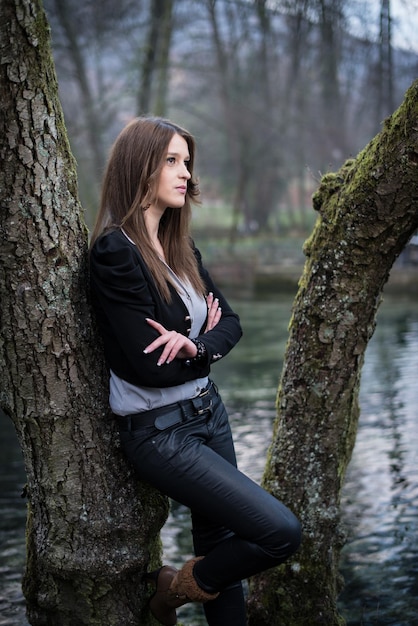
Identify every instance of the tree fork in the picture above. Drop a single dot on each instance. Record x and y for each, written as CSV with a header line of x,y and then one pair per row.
x,y
92,529
367,213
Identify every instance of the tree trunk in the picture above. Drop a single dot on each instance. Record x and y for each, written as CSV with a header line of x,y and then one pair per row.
x,y
331,28
166,27
81,74
92,530
385,92
152,94
367,213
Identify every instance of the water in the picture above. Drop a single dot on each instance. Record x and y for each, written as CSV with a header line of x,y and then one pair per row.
x,y
381,495
12,527
380,500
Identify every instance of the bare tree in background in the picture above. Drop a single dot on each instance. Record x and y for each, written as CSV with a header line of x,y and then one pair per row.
x,y
93,45
154,76
385,92
247,87
272,90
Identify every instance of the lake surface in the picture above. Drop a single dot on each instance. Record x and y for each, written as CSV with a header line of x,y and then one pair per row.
x,y
380,500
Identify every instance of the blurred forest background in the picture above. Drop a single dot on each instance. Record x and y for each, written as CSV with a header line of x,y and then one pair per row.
x,y
276,92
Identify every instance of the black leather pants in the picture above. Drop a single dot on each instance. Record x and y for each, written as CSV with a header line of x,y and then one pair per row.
x,y
239,527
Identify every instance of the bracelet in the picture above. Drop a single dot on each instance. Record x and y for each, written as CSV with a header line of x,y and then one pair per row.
x,y
201,350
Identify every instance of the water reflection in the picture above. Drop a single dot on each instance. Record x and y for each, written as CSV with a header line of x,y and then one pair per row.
x,y
380,500
12,527
381,494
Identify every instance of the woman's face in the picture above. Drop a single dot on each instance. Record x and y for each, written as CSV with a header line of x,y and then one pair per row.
x,y
172,185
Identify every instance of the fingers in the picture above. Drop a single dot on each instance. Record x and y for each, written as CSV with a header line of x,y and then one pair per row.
x,y
157,342
214,312
172,342
156,325
167,338
175,344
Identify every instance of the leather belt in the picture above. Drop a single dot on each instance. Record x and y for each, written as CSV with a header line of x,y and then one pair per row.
x,y
169,415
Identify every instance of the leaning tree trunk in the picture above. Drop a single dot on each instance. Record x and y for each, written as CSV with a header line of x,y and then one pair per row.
x,y
91,529
367,213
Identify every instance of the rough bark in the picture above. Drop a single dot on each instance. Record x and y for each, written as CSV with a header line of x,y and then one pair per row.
x,y
367,213
92,530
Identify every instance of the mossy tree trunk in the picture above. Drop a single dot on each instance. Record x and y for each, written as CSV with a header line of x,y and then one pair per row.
x,y
367,213
92,530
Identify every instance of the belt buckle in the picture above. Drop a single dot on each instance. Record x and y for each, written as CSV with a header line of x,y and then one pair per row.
x,y
207,408
198,402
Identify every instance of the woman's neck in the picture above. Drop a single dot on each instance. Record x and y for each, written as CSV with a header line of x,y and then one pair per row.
x,y
152,222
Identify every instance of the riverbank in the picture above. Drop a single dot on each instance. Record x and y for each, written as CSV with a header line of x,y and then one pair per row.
x,y
246,278
271,264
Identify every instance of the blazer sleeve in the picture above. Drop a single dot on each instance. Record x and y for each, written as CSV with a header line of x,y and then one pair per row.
x,y
123,296
221,339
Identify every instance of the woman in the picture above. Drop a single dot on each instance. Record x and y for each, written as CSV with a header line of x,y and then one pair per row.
x,y
164,323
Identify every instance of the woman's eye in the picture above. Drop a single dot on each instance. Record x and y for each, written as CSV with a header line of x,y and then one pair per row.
x,y
187,164
171,160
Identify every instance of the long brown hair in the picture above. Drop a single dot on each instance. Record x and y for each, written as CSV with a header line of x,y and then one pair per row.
x,y
130,185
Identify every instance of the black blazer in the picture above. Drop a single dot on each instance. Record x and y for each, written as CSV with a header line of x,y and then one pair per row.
x,y
124,294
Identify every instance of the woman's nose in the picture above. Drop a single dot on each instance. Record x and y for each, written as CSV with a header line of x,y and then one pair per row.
x,y
185,172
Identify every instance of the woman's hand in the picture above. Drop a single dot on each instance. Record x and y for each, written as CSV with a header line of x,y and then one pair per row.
x,y
214,312
175,344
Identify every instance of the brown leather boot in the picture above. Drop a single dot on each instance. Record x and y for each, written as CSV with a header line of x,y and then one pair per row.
x,y
173,589
162,578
